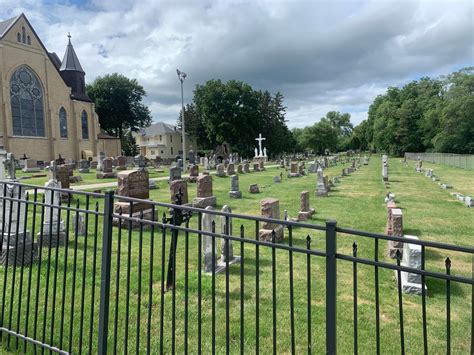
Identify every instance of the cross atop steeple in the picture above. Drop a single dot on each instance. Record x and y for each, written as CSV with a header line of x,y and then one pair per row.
x,y
69,36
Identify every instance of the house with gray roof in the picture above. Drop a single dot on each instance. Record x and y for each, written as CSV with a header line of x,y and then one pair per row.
x,y
163,140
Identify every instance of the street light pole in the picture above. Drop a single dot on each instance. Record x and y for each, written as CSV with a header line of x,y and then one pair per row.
x,y
181,77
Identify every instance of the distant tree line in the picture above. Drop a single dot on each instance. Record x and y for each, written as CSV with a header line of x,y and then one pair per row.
x,y
235,113
424,115
333,132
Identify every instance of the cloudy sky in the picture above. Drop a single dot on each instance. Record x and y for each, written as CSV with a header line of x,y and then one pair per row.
x,y
321,55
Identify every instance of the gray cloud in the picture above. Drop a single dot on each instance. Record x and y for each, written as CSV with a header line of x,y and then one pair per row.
x,y
322,55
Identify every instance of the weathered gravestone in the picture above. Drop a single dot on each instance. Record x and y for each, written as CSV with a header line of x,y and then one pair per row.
x,y
240,169
270,208
230,169
193,173
397,231
16,247
385,171
106,172
53,232
246,168
261,165
468,201
84,166
220,170
234,187
411,282
175,173
121,163
31,166
134,184
253,189
100,159
209,242
191,157
227,251
62,175
306,212
293,170
256,167
301,170
321,190
204,194
179,186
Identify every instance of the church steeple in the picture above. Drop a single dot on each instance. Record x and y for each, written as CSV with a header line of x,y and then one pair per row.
x,y
73,74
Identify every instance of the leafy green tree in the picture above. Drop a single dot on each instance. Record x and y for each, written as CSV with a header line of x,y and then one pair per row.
x,y
233,112
119,104
428,114
129,144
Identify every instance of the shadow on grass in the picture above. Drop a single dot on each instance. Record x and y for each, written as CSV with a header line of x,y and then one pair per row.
x,y
437,287
415,232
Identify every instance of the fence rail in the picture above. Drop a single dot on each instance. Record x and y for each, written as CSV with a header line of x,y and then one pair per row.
x,y
182,279
464,161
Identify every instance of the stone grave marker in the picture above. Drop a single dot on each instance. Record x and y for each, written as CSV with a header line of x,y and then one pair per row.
x,y
306,212
270,208
411,282
31,166
84,166
220,170
175,173
321,190
293,170
134,184
209,243
204,193
234,187
106,172
253,189
175,187
121,163
193,173
17,249
397,231
226,229
230,169
53,234
246,168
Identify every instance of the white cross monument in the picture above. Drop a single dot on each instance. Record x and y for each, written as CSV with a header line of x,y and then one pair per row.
x,y
260,151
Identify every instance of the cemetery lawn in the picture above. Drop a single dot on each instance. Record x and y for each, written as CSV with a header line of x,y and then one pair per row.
x,y
356,202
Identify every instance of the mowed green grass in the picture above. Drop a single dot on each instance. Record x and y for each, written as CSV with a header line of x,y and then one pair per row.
x,y
356,202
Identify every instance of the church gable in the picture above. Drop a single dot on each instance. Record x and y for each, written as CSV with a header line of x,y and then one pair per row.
x,y
18,30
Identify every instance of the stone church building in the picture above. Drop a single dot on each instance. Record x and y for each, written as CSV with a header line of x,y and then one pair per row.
x,y
44,108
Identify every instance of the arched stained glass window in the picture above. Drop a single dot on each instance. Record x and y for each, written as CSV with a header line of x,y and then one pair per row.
x,y
23,35
62,123
26,96
28,40
84,125
18,37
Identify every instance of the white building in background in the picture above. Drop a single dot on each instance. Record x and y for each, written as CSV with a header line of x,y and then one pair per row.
x,y
163,140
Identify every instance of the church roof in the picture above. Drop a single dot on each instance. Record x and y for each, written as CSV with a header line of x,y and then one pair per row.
x,y
6,25
70,60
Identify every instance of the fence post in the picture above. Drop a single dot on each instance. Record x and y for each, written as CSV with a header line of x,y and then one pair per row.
x,y
331,282
105,272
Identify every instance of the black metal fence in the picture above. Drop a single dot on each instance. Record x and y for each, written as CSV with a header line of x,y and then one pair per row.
x,y
131,277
